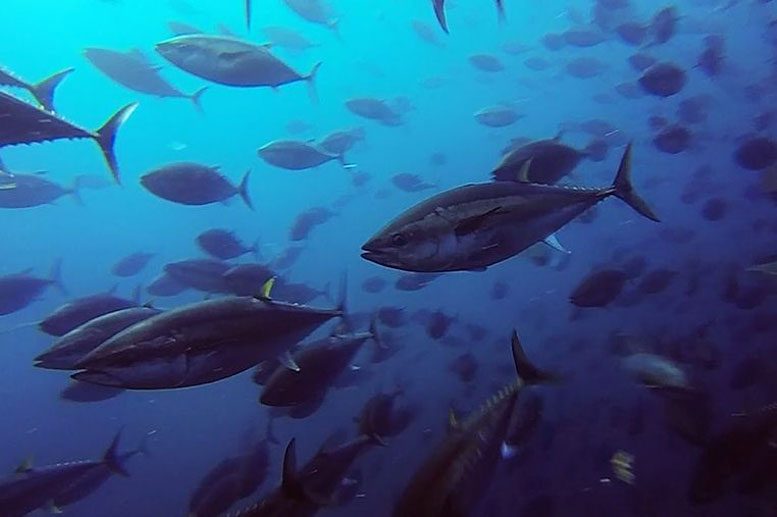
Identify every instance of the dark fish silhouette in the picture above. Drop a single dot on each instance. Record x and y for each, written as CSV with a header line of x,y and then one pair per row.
x,y
663,79
132,264
31,190
19,290
201,343
599,289
82,310
133,70
26,124
459,471
31,488
439,12
223,244
70,348
189,183
205,275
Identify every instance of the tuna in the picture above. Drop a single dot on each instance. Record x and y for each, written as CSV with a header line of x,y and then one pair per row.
x,y
459,471
31,190
132,264
374,109
82,310
311,371
549,161
497,116
231,62
224,244
27,124
32,488
19,290
201,343
73,346
189,183
133,70
475,226
296,155
205,275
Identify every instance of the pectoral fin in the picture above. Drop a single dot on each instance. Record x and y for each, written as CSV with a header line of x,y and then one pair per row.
x,y
552,241
476,222
288,361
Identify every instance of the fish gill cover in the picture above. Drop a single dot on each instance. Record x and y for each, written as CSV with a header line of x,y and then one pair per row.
x,y
281,246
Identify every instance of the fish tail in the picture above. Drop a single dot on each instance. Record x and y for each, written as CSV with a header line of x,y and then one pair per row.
x,y
527,372
624,190
111,458
500,9
375,332
106,137
243,190
55,276
439,12
44,90
311,80
75,192
248,14
196,99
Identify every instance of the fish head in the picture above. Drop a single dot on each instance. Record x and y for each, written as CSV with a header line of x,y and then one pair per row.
x,y
411,246
185,51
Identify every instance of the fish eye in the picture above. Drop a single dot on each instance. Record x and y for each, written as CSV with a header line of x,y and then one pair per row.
x,y
398,239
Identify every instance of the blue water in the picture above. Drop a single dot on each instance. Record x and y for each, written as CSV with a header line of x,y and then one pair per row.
x,y
379,55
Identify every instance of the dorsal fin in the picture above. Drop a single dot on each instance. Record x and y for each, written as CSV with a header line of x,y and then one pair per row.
x,y
266,289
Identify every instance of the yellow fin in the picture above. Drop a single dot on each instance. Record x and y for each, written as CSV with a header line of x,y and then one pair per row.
x,y
267,288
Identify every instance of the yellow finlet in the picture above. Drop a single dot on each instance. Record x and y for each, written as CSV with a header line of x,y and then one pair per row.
x,y
267,288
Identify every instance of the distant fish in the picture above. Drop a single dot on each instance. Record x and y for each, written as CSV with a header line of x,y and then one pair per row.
x,y
486,63
194,184
31,190
296,155
756,153
656,371
182,29
248,14
133,70
232,62
497,116
165,285
340,142
307,220
375,109
42,91
314,11
132,264
599,289
247,279
206,275
663,79
664,25
26,124
408,182
19,290
281,37
224,244
544,161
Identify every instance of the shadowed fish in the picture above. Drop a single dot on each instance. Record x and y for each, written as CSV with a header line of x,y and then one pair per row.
x,y
287,38
26,124
82,310
189,183
318,484
31,190
459,471
231,62
73,346
548,162
296,155
381,417
43,92
133,70
310,372
374,109
165,285
19,290
307,220
314,11
340,142
201,343
243,279
599,289
32,488
205,275
132,264
475,226
224,244
230,480
663,79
